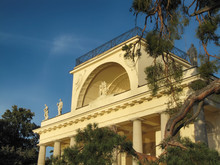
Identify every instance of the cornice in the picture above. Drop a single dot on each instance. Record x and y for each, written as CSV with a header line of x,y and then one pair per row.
x,y
135,100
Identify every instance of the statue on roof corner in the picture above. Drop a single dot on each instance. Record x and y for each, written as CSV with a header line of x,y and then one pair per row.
x,y
103,89
192,53
46,111
60,107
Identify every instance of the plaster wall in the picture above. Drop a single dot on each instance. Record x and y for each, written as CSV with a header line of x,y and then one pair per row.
x,y
213,130
188,132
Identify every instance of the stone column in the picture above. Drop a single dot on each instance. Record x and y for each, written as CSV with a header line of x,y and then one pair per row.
x,y
41,155
72,141
120,155
160,134
123,158
157,142
163,121
137,137
57,149
200,126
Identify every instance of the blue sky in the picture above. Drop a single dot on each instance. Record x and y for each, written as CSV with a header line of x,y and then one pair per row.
x,y
40,40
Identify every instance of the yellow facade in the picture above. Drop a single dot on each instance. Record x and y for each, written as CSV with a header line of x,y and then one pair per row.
x,y
112,91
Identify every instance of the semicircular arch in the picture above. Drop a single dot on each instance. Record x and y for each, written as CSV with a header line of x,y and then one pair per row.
x,y
111,74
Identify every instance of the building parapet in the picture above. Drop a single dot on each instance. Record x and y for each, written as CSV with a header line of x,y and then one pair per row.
x,y
137,31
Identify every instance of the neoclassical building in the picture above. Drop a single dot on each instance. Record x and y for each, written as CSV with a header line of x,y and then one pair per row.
x,y
112,91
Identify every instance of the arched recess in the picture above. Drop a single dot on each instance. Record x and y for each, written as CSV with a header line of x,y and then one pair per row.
x,y
115,77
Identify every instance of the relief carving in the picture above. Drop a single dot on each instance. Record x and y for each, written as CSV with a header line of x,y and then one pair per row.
x,y
79,80
103,89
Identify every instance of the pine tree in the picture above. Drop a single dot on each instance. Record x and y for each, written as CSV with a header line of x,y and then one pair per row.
x,y
95,145
169,17
18,144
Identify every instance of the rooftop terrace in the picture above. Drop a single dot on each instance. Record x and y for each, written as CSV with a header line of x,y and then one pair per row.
x,y
137,31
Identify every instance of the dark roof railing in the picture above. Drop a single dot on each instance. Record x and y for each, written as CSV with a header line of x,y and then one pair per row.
x,y
118,40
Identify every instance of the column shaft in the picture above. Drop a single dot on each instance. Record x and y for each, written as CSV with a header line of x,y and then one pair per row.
x,y
72,141
157,142
163,121
41,155
57,149
159,135
137,138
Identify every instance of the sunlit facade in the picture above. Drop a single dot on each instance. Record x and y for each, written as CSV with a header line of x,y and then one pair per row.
x,y
112,91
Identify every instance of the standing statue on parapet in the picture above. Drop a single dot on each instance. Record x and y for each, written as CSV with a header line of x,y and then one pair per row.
x,y
192,53
46,111
60,107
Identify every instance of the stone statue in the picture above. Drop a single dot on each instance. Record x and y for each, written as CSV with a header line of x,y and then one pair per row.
x,y
60,107
103,89
46,111
192,53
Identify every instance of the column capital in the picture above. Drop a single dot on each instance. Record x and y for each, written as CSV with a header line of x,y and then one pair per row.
x,y
137,119
41,144
59,140
71,136
162,112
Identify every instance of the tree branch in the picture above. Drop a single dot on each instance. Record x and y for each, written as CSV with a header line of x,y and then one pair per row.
x,y
176,130
212,88
206,9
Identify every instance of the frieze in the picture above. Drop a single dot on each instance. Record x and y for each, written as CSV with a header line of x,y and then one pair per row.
x,y
106,111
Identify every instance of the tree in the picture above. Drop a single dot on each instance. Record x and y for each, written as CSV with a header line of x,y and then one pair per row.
x,y
169,18
193,153
17,141
95,146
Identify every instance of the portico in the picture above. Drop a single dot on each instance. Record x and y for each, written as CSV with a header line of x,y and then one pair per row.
x,y
141,131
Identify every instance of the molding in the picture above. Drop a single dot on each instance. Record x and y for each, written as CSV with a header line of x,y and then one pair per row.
x,y
106,110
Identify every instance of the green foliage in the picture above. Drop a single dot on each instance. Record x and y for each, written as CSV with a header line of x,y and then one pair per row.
x,y
156,46
195,154
95,146
11,156
18,142
169,17
198,84
142,6
207,30
131,52
153,75
127,49
173,15
206,70
157,76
